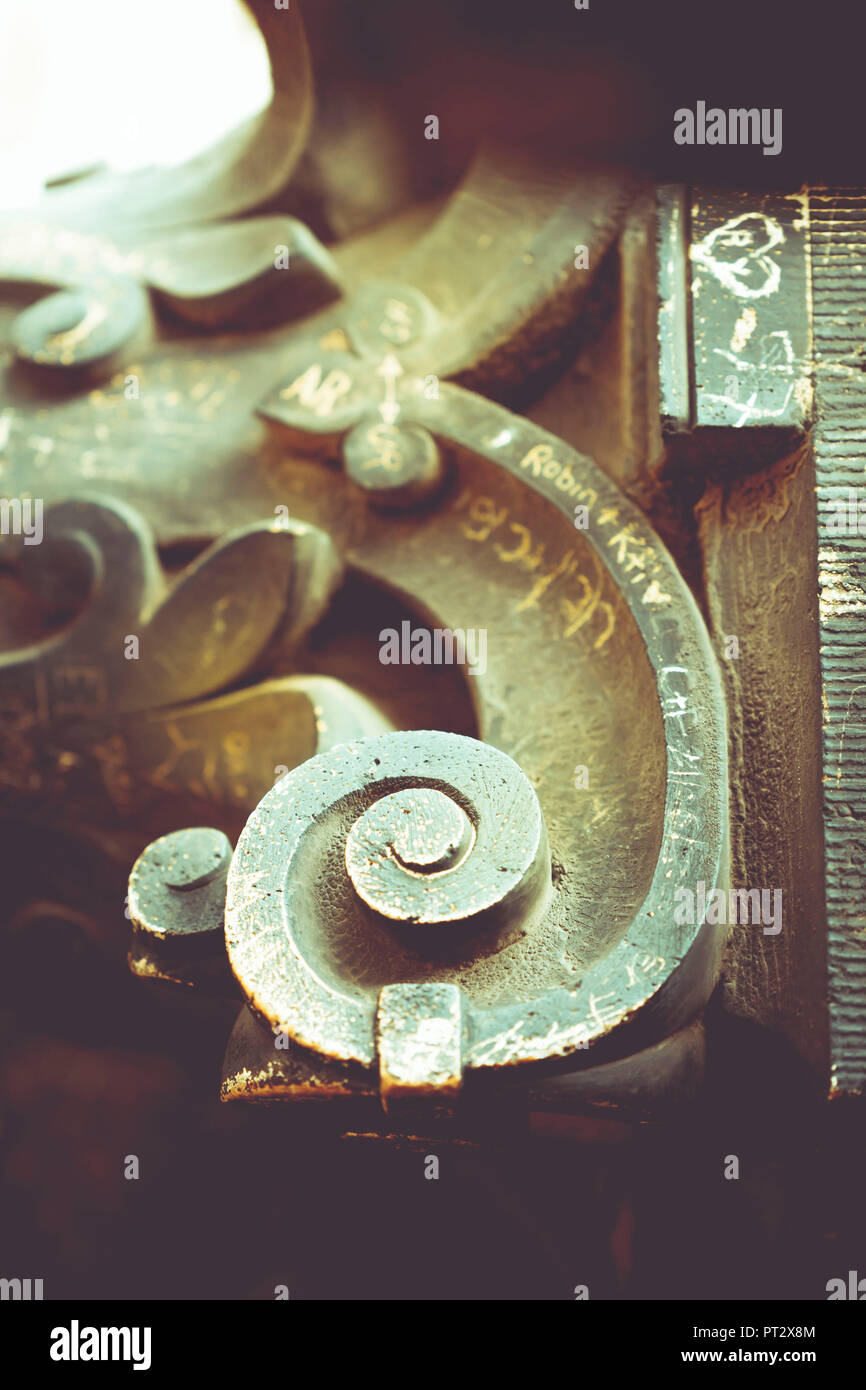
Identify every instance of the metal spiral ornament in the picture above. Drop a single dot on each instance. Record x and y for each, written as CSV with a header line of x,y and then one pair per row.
x,y
380,871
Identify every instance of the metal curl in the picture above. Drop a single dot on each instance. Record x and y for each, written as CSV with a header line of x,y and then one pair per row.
x,y
363,866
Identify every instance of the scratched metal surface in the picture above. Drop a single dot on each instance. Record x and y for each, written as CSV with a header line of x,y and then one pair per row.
x,y
733,325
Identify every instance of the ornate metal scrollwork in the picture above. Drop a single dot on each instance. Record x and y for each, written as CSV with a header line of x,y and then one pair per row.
x,y
398,890
462,912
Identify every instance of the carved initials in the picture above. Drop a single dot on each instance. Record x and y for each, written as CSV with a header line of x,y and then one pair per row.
x,y
318,395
